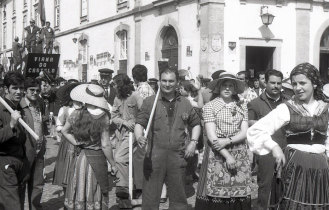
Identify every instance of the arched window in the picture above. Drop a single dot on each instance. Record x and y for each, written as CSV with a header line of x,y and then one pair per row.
x,y
57,13
122,49
324,56
123,44
325,39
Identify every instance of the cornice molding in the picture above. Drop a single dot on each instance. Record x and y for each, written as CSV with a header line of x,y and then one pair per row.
x,y
203,2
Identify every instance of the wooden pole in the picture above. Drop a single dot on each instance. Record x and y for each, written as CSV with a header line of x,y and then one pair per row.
x,y
20,120
152,114
130,176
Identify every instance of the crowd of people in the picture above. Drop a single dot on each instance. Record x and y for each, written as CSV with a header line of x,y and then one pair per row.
x,y
217,132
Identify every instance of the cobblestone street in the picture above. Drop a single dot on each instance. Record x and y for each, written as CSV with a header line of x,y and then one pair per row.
x,y
53,196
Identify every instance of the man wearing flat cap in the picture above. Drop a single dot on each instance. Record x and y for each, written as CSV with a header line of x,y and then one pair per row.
x,y
105,79
31,36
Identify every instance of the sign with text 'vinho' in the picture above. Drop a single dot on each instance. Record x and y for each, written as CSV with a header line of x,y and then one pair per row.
x,y
37,62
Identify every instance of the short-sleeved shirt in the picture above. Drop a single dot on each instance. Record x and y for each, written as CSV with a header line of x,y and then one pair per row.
x,y
145,90
163,133
227,116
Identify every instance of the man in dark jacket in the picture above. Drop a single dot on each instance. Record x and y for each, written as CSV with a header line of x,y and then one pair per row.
x,y
31,36
105,79
167,146
12,146
33,112
49,36
17,53
258,108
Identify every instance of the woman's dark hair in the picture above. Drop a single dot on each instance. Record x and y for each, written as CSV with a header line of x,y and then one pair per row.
x,y
139,73
235,96
124,86
13,78
188,87
313,74
63,94
87,128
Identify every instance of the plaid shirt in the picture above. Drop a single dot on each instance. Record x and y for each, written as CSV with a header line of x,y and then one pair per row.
x,y
227,117
145,90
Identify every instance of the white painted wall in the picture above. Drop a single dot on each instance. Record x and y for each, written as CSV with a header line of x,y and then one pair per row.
x,y
183,18
318,18
241,21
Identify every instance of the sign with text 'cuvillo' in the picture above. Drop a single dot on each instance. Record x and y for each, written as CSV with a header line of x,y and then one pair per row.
x,y
37,62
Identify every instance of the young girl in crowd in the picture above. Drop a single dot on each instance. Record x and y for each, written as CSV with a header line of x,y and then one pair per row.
x,y
225,175
88,129
305,175
66,149
188,90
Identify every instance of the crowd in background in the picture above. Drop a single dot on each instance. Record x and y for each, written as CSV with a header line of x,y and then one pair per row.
x,y
202,130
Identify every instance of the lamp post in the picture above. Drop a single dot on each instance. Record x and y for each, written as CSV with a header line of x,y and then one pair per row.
x,y
267,18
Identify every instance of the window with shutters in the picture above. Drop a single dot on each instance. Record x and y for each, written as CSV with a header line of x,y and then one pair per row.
x,y
14,7
84,11
123,44
14,29
57,14
24,20
122,49
4,36
122,4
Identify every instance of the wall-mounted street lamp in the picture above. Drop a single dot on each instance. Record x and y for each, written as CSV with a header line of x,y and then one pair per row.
x,y
266,17
82,37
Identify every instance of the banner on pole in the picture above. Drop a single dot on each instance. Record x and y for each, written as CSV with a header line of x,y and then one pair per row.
x,y
37,62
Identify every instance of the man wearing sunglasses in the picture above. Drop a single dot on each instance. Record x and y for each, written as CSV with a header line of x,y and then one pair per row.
x,y
33,113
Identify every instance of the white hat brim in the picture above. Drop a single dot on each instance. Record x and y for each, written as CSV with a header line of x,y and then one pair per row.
x,y
79,94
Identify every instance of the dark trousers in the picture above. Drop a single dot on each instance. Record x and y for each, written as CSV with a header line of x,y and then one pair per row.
x,y
266,166
138,161
164,165
11,189
36,182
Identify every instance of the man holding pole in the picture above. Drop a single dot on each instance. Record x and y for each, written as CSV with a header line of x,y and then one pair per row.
x,y
167,143
12,141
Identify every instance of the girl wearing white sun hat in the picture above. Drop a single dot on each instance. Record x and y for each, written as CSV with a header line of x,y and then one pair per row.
x,y
88,129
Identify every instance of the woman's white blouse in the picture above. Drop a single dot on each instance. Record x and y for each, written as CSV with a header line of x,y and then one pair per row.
x,y
259,135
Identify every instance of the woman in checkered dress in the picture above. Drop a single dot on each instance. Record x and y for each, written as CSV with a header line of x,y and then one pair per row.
x,y
225,175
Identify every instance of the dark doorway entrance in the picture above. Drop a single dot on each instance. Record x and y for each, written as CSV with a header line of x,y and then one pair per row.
x,y
324,56
259,59
170,47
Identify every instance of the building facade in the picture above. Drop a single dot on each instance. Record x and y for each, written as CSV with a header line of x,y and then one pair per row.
x,y
199,35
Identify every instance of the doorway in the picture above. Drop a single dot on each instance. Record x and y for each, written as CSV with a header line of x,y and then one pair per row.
x,y
324,56
258,59
170,47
